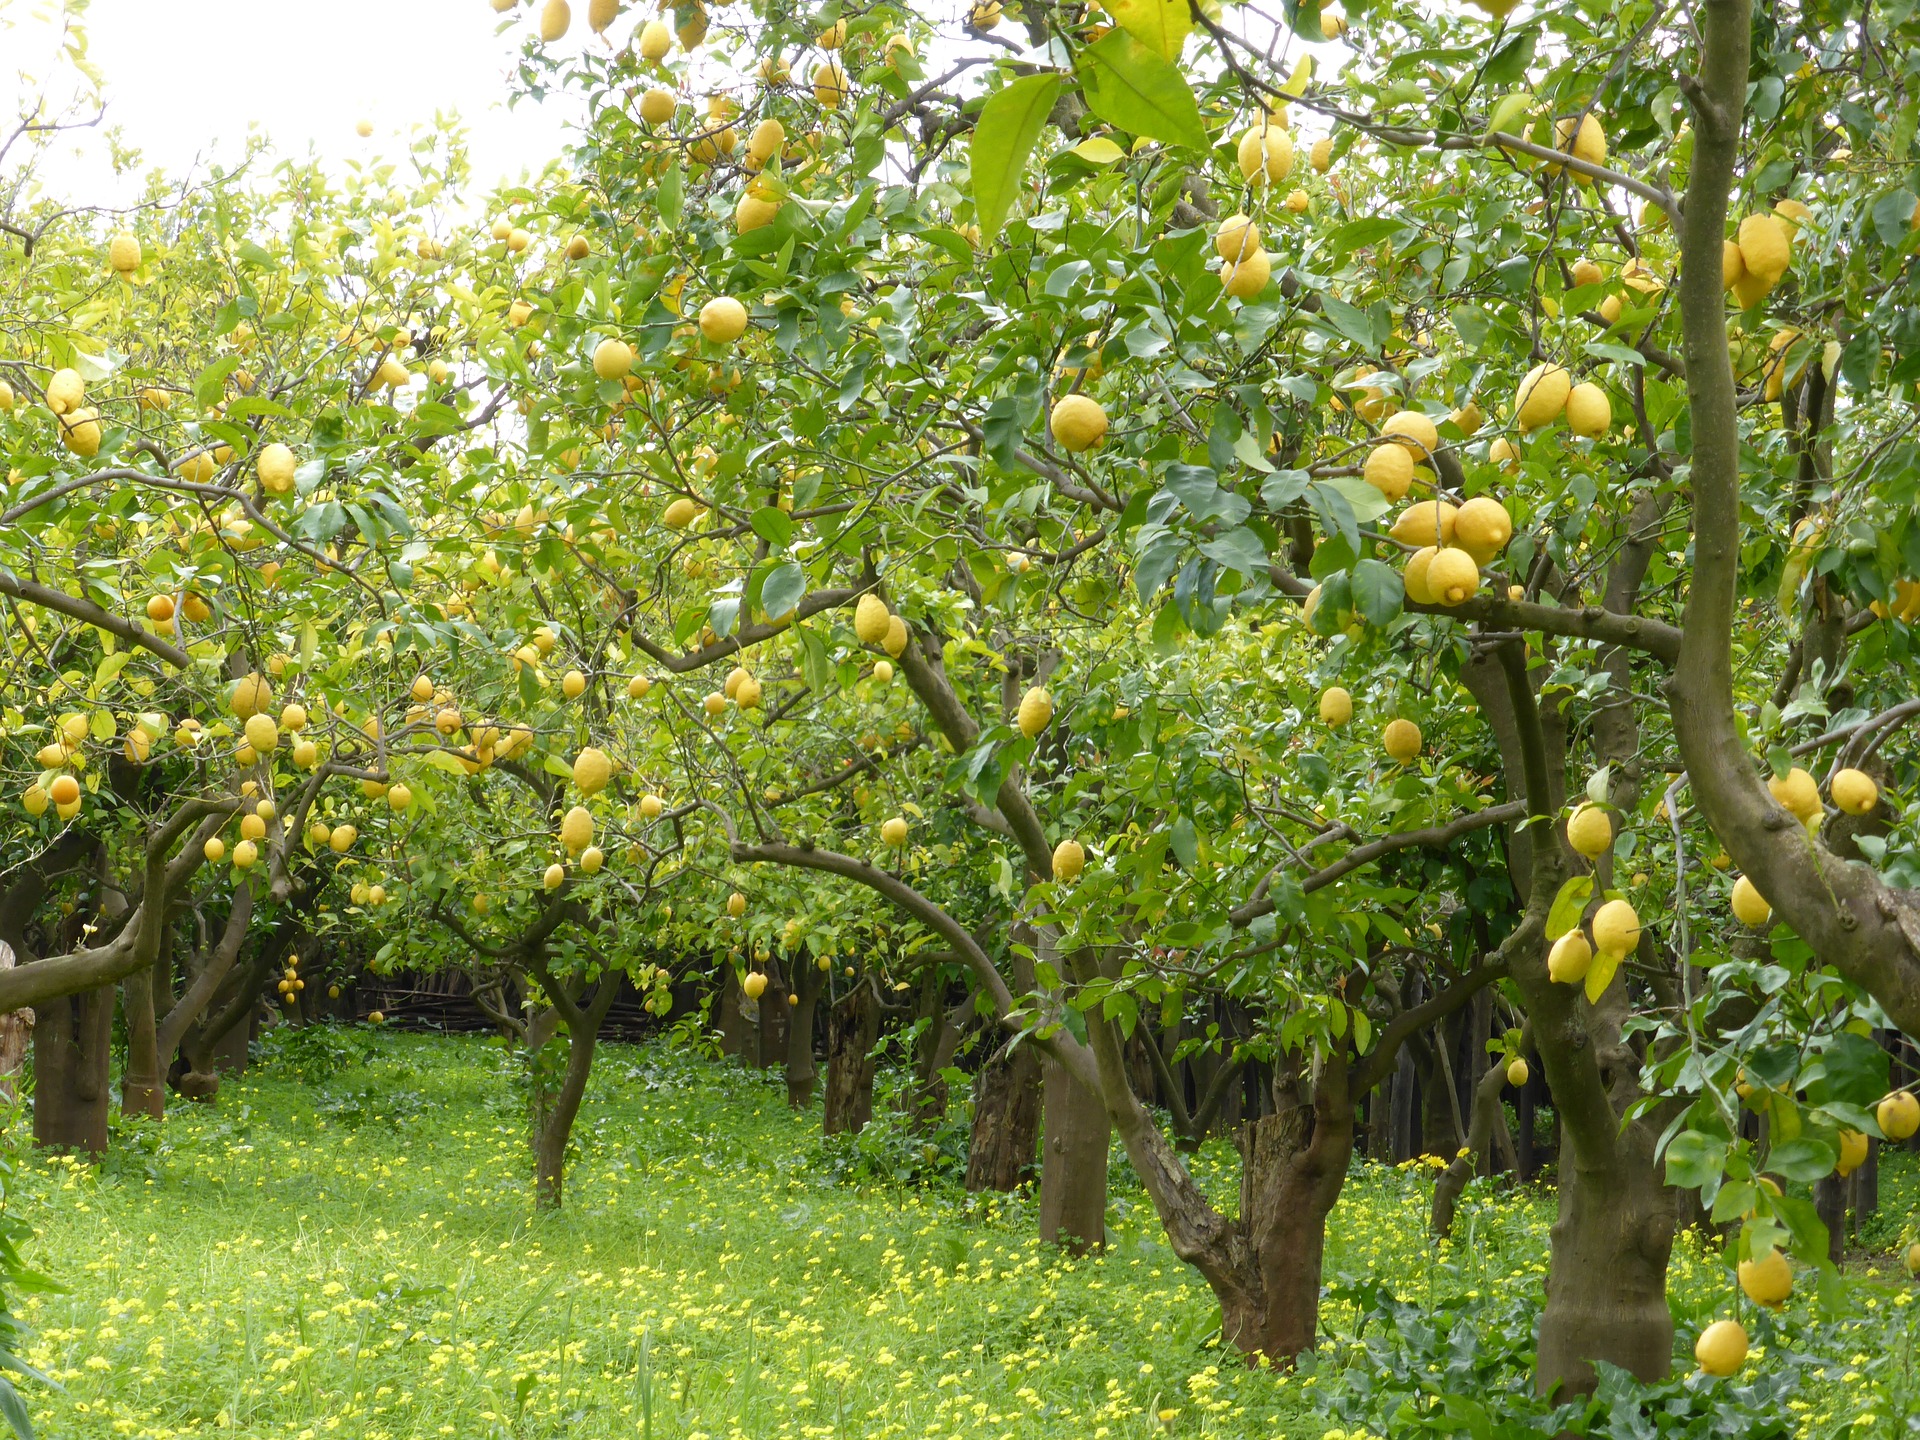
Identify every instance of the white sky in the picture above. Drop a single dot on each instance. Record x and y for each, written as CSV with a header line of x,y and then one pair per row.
x,y
186,78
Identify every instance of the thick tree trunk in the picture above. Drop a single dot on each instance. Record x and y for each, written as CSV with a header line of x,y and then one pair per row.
x,y
1006,1120
554,1121
1294,1163
774,1019
801,1072
1073,1171
142,1085
71,1053
1607,1275
853,1025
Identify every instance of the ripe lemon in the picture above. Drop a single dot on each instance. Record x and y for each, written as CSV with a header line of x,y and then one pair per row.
x,y
1336,706
1452,577
1321,156
1504,453
651,806
1389,469
1401,740
1248,277
1589,831
1069,859
1588,143
1797,792
1265,154
723,320
1237,238
1542,396
1425,522
656,40
1768,1280
1899,1115
601,14
883,672
1589,412
555,17
1750,907
612,358
1722,1347
657,105
399,797
123,253
829,84
1413,430
1482,528
1414,577
244,855
1854,792
1616,928
1078,422
262,734
638,687
1570,958
80,432
1036,709
895,640
592,770
1517,1072
747,697
736,904
591,859
1853,1152
276,466
754,984
215,850
576,828
894,832
1766,249
871,619
555,876
65,390
294,718
573,685
251,694
680,514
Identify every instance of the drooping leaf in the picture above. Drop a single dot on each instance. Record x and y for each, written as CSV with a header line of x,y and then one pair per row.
x,y
1161,25
1010,123
1568,905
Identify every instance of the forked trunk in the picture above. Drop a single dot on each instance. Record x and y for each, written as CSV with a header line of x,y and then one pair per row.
x,y
1607,1274
853,1025
560,1106
1073,1169
71,1051
1006,1120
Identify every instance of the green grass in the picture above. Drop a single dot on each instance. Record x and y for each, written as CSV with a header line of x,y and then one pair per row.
x,y
358,1257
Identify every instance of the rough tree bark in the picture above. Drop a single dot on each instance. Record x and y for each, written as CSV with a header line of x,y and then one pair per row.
x,y
1006,1120
72,1048
853,1027
1073,1167
808,980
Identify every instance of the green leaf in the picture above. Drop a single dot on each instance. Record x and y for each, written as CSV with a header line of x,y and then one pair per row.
x,y
212,381
1160,25
1853,1069
1186,843
1893,217
1010,123
1568,905
672,195
782,589
1695,1159
1238,549
1804,1160
1377,592
1600,975
1132,87
773,525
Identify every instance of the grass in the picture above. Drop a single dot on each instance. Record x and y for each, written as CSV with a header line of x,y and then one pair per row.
x,y
354,1254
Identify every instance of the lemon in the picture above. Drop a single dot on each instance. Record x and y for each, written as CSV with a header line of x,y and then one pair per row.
x,y
1854,792
651,806
1425,522
250,695
1766,249
80,432
1585,272
1247,278
1482,528
555,876
399,797
1899,1115
657,105
1616,928
1750,907
262,733
123,253
638,687
1078,422
754,984
895,640
1237,238
723,320
64,790
1389,469
1452,578
1265,154
1569,959
1414,577
1589,831
1768,1280
576,829
573,685
65,390
751,212
592,769
1336,706
1504,453
871,619
1069,859
656,40
1413,430
747,697
555,17
1853,1152
1517,1072
736,904
1036,709
1589,412
1321,156
1722,1347
829,84
894,832
1401,740
1542,396
1796,792
612,358
244,854
215,850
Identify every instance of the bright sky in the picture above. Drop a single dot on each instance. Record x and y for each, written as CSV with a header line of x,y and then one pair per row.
x,y
186,78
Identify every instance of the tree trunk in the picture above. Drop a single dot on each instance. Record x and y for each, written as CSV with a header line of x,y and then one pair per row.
x,y
72,1042
807,982
142,1085
1294,1165
554,1121
739,1032
1607,1274
775,1022
853,1025
933,1050
1073,1171
16,1033
1830,1200
1006,1120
